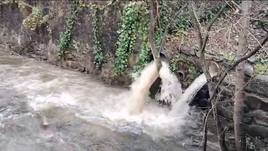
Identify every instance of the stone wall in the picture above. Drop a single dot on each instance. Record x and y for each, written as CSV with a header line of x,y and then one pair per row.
x,y
257,106
42,43
255,120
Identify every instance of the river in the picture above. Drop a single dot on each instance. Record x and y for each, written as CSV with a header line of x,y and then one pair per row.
x,y
46,108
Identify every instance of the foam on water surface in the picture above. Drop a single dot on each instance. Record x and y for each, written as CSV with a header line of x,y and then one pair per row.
x,y
47,86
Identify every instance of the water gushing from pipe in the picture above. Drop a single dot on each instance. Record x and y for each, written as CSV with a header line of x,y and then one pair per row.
x,y
171,87
140,88
181,106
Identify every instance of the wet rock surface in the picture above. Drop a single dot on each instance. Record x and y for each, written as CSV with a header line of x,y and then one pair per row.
x,y
259,85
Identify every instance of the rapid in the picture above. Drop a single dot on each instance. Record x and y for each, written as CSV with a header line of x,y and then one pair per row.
x,y
44,107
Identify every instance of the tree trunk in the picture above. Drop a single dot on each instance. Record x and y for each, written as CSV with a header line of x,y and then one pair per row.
x,y
155,52
203,39
240,80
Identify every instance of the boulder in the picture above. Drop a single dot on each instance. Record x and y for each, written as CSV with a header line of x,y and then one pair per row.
x,y
259,85
260,117
257,130
255,102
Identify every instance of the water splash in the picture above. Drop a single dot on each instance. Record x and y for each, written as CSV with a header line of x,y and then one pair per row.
x,y
46,86
171,87
181,106
140,88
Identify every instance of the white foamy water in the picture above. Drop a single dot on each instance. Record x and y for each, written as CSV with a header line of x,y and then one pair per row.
x,y
181,106
171,87
46,86
140,89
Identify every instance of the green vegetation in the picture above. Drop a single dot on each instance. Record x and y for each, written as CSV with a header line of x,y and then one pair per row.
x,y
133,24
180,61
97,50
209,13
230,56
168,10
35,19
66,37
173,65
261,66
92,5
144,56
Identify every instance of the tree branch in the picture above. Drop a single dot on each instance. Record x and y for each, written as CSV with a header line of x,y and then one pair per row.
x,y
205,130
198,25
243,58
223,75
163,38
202,46
210,25
203,40
213,92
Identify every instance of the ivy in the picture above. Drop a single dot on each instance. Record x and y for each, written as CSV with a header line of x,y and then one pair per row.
x,y
92,5
173,65
66,37
99,56
145,54
261,65
261,68
32,21
35,19
98,53
132,26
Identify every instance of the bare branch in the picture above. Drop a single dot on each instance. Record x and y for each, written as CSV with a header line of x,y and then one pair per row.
x,y
254,51
202,46
224,74
203,40
239,96
198,25
205,129
163,38
210,25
